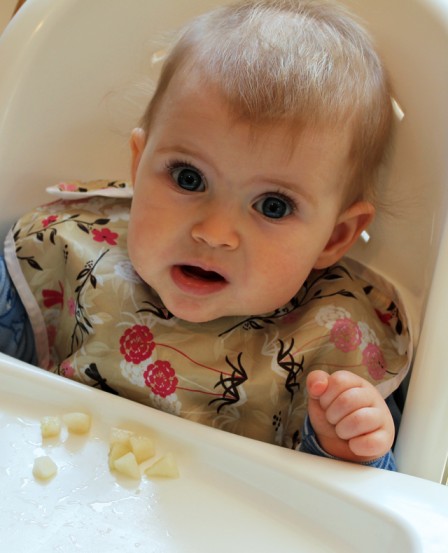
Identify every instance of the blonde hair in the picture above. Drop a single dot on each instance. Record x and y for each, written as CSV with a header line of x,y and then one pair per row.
x,y
304,61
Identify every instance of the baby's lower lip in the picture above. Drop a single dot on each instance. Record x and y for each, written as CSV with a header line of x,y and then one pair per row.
x,y
195,280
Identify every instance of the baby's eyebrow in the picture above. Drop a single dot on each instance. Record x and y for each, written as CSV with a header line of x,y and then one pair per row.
x,y
182,149
294,187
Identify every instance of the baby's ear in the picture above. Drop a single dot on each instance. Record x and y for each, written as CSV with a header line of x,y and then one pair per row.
x,y
349,226
137,143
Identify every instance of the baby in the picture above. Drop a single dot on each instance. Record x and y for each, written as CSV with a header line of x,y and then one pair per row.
x,y
253,174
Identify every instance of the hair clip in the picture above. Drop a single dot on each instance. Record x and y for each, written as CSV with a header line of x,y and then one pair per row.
x,y
158,56
399,113
365,236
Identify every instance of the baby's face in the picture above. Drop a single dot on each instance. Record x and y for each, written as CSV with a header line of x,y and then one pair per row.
x,y
226,220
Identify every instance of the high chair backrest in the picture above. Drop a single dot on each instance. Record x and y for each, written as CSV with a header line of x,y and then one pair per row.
x,y
72,76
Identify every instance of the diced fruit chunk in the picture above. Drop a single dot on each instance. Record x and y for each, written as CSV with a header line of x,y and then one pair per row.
x,y
50,427
143,447
44,468
119,435
166,466
127,465
78,423
116,451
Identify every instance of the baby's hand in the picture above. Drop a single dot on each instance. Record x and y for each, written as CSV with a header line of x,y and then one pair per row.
x,y
350,418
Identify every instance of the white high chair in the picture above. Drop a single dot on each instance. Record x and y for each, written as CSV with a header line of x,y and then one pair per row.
x,y
68,70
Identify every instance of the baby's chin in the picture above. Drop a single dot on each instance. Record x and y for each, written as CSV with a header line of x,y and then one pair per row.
x,y
198,316
205,310
190,313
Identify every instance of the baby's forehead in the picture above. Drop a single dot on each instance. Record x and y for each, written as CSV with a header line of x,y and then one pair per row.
x,y
193,97
188,81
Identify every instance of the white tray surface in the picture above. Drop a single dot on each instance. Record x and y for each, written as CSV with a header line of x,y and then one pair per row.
x,y
232,493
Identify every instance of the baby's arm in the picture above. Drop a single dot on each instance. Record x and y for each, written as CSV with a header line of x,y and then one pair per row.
x,y
16,334
350,418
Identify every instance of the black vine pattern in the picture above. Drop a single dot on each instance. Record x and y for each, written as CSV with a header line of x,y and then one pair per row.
x,y
230,384
294,369
83,326
296,439
392,314
111,184
277,421
29,259
305,295
49,231
159,311
93,373
117,184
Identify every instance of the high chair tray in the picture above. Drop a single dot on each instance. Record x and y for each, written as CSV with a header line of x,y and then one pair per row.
x,y
233,494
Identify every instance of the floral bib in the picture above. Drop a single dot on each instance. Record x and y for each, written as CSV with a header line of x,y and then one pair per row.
x,y
97,322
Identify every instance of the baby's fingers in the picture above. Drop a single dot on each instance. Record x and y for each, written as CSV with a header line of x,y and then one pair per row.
x,y
359,423
372,445
317,383
338,383
349,402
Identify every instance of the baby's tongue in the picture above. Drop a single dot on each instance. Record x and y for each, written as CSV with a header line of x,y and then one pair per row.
x,y
201,274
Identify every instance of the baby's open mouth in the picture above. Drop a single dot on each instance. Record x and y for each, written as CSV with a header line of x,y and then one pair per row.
x,y
201,274
195,280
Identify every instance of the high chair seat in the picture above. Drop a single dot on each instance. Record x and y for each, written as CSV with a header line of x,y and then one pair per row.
x,y
73,83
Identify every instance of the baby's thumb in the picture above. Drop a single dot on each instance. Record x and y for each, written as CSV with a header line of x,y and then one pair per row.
x,y
317,383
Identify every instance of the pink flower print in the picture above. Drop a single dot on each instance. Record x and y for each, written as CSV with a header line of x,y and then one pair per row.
x,y
105,235
67,370
345,334
291,318
384,317
373,359
48,220
67,187
136,344
161,378
71,304
53,297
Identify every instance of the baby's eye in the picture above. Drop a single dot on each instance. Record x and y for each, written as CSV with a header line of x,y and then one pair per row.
x,y
274,207
188,178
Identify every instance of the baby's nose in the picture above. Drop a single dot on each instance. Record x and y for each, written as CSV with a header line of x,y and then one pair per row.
x,y
217,229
